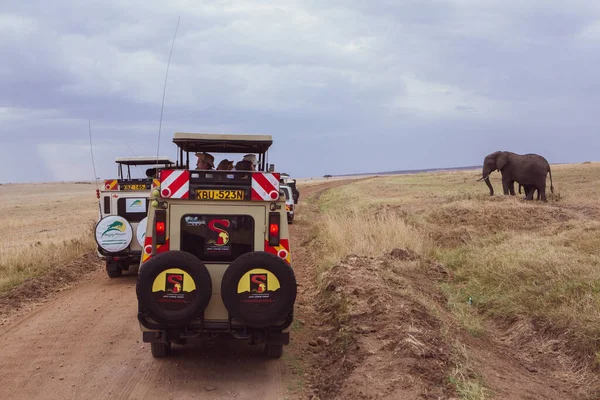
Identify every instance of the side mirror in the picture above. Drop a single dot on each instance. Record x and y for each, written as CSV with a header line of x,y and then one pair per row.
x,y
271,167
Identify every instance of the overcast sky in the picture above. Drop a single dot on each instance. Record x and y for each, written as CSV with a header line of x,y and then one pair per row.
x,y
343,86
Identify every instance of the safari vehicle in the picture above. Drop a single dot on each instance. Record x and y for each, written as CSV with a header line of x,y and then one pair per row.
x,y
123,208
291,182
216,259
289,202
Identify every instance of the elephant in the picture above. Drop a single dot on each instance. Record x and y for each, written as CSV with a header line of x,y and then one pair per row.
x,y
527,188
525,169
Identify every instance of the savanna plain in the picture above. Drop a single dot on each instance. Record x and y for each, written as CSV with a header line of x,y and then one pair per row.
x,y
410,286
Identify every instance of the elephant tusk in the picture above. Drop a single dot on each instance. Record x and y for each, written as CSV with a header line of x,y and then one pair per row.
x,y
482,178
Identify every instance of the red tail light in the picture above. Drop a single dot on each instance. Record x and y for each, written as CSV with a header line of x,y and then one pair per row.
x,y
160,226
274,229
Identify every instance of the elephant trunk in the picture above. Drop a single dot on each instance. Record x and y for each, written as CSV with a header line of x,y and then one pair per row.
x,y
485,176
489,185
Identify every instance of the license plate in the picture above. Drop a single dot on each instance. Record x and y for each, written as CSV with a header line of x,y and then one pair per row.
x,y
219,194
134,186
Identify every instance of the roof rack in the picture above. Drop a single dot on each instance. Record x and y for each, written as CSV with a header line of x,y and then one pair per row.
x,y
144,160
222,143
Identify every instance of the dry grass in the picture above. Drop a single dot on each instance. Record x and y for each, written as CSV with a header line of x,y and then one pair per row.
x,y
43,225
355,232
468,383
515,258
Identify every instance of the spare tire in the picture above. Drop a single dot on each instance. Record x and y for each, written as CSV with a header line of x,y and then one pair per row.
x,y
173,288
259,289
113,233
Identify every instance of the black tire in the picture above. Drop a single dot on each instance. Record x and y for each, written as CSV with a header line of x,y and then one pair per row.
x,y
114,273
113,270
160,349
274,350
181,306
272,306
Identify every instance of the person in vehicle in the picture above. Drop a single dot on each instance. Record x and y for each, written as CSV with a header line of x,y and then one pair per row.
x,y
225,165
205,161
244,165
151,173
252,159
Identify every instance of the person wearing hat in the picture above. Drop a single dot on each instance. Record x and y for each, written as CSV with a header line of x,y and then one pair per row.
x,y
252,159
205,161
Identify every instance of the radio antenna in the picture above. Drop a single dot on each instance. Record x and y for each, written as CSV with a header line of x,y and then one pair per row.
x,y
135,155
165,90
94,165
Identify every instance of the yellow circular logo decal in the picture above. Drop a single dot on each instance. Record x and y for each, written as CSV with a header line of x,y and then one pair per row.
x,y
174,289
258,280
258,289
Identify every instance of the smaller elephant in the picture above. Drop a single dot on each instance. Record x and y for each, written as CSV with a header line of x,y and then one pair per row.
x,y
529,188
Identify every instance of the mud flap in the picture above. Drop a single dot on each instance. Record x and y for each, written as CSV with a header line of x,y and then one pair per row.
x,y
282,338
154,337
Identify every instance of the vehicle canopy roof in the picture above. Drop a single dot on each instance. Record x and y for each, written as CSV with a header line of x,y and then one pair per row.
x,y
144,160
222,143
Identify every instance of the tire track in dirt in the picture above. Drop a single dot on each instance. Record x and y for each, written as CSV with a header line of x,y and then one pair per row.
x,y
85,343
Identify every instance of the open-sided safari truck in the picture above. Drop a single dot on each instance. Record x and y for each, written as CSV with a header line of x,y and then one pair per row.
x,y
291,182
216,259
123,207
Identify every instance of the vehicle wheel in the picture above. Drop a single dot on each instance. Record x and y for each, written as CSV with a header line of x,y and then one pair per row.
x,y
114,273
160,349
173,288
274,350
259,289
113,270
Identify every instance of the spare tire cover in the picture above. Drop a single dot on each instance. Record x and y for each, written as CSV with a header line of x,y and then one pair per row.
x,y
173,288
259,289
140,232
113,233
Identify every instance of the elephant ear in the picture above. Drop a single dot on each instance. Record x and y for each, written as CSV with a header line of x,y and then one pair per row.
x,y
501,161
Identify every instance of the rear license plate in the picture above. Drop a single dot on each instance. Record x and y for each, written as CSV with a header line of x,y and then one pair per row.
x,y
135,186
219,194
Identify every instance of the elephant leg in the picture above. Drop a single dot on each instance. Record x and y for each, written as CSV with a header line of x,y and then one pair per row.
x,y
542,192
529,190
505,186
511,188
526,189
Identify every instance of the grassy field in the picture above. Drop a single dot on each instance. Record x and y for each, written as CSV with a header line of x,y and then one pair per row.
x,y
43,225
515,259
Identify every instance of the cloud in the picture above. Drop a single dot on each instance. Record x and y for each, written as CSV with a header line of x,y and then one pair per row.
x,y
395,82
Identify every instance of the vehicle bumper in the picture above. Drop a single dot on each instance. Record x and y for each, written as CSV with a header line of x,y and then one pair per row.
x,y
152,332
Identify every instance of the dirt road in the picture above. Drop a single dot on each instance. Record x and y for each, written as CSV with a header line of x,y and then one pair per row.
x,y
85,343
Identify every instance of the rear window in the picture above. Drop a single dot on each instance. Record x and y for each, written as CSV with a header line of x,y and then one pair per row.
x,y
288,192
217,238
133,209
